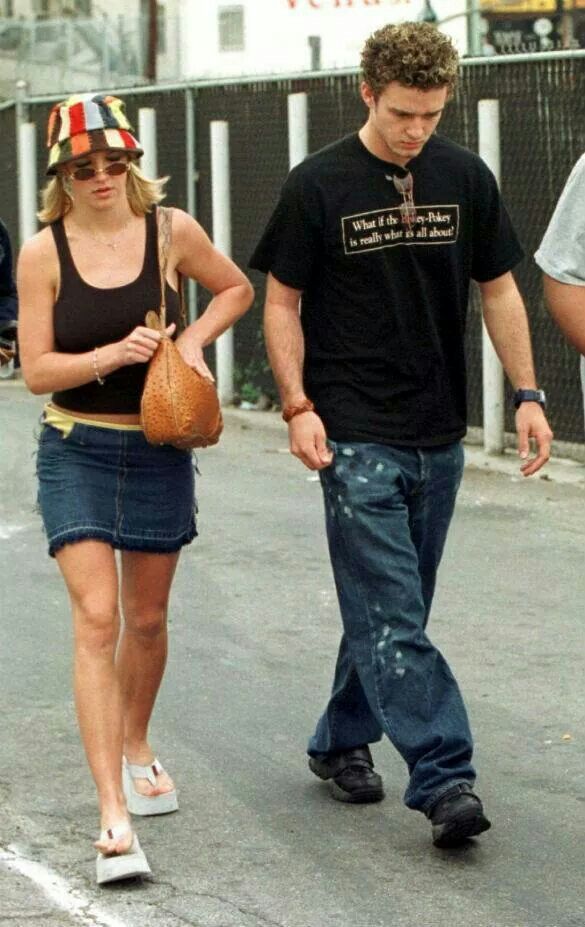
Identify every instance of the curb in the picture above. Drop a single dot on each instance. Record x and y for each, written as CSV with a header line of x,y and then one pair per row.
x,y
558,469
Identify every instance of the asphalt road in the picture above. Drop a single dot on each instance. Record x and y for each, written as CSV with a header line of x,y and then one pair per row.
x,y
258,842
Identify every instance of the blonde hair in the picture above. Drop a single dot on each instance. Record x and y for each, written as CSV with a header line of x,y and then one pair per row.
x,y
142,193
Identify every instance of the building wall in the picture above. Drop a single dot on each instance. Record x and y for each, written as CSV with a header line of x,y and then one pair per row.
x,y
28,9
277,32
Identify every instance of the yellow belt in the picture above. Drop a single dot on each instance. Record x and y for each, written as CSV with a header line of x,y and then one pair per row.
x,y
65,421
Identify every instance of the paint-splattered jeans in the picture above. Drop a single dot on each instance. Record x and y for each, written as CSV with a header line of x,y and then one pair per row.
x,y
388,510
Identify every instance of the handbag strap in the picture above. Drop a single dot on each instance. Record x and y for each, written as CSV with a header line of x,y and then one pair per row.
x,y
164,234
164,245
183,321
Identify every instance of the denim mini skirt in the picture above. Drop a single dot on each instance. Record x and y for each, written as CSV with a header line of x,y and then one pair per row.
x,y
111,485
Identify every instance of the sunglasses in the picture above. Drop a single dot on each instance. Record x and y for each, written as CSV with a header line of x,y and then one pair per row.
x,y
115,169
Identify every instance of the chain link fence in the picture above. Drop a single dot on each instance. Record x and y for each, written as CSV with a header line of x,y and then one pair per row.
x,y
81,52
542,109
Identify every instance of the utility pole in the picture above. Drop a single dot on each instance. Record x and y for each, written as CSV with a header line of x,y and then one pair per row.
x,y
152,35
471,13
474,40
566,23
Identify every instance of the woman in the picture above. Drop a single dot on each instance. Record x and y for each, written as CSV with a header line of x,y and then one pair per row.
x,y
85,284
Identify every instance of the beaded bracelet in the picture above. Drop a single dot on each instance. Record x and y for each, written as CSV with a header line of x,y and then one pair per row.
x,y
96,370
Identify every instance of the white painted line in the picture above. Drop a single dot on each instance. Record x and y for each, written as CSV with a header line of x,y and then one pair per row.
x,y
63,895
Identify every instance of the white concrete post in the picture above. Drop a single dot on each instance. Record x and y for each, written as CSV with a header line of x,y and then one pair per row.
x,y
27,180
474,37
493,375
222,238
298,128
147,138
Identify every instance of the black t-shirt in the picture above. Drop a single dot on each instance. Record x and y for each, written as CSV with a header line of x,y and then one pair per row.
x,y
383,308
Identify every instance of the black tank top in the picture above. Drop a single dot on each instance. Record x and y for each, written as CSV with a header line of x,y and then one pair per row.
x,y
85,317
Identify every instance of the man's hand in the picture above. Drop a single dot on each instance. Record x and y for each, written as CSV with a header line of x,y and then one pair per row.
x,y
308,441
531,423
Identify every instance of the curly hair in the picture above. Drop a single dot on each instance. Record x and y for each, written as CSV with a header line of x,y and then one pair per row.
x,y
414,54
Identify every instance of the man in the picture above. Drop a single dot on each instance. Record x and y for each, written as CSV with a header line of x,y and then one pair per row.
x,y
8,303
562,258
378,236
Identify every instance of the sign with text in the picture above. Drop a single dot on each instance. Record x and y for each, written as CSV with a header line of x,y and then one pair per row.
x,y
341,4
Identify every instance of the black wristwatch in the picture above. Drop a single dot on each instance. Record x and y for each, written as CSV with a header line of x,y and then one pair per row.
x,y
530,395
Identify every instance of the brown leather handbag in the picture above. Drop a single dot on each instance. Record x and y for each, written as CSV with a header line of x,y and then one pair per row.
x,y
178,406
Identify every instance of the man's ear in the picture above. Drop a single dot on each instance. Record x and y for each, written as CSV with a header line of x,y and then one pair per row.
x,y
367,95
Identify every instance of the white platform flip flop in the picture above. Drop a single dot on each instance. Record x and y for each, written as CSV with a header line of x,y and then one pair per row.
x,y
128,865
146,804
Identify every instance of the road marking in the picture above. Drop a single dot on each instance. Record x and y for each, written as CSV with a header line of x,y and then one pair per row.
x,y
63,895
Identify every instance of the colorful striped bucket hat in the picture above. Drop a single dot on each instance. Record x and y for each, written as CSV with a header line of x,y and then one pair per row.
x,y
88,122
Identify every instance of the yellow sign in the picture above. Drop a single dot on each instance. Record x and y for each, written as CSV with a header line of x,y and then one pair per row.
x,y
535,7
521,6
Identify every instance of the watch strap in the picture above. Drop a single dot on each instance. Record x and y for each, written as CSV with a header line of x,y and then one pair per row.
x,y
529,395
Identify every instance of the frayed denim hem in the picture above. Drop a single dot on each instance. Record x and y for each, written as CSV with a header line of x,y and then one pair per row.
x,y
144,545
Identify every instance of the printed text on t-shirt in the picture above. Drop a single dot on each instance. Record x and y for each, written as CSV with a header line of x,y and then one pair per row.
x,y
384,228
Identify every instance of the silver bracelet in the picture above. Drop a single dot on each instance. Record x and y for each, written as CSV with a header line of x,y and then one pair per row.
x,y
96,370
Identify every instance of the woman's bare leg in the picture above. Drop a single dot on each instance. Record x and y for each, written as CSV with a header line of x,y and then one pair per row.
x,y
89,570
142,653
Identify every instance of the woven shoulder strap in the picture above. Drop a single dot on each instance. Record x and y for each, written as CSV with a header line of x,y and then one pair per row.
x,y
164,246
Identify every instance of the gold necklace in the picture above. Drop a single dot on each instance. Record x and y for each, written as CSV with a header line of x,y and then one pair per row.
x,y
113,244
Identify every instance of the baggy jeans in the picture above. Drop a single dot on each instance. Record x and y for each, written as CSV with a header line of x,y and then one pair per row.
x,y
388,510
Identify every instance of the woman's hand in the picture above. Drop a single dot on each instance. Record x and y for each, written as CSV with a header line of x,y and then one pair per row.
x,y
192,353
139,346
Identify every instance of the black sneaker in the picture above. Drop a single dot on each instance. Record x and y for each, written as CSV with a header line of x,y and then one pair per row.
x,y
351,774
457,815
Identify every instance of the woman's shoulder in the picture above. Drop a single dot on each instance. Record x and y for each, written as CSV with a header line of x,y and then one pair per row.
x,y
179,217
39,250
184,227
